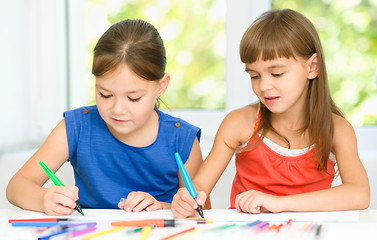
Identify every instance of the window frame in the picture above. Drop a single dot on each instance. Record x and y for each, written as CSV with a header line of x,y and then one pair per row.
x,y
239,15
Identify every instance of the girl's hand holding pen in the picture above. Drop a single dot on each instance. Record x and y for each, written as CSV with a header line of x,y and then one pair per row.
x,y
139,201
183,205
59,200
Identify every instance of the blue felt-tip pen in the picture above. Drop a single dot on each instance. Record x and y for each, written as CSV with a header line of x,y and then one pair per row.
x,y
188,183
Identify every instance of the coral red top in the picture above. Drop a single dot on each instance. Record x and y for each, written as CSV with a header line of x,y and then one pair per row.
x,y
265,170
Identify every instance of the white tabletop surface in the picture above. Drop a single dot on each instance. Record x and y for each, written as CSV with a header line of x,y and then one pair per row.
x,y
335,225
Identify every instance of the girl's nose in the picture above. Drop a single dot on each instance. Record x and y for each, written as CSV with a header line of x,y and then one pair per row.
x,y
265,83
119,106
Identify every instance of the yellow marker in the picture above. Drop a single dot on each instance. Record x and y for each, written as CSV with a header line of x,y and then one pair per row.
x,y
201,220
146,232
104,232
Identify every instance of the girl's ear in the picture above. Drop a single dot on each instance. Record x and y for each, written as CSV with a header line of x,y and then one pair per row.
x,y
163,84
313,66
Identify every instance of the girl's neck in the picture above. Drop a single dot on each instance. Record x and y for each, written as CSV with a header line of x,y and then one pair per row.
x,y
291,125
288,121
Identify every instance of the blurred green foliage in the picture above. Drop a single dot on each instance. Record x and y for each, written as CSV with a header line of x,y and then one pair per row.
x,y
194,38
348,31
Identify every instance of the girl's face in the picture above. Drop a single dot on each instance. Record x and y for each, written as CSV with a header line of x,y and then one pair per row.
x,y
282,84
126,101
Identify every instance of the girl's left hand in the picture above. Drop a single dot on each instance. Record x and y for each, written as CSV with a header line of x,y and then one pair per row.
x,y
138,201
253,201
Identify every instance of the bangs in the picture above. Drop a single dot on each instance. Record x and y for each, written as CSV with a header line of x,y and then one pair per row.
x,y
103,64
278,34
266,45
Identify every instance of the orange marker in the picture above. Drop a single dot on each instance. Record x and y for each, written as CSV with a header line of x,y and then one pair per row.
x,y
159,222
178,233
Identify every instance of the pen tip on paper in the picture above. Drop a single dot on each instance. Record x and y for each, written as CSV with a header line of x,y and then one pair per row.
x,y
78,208
200,211
82,213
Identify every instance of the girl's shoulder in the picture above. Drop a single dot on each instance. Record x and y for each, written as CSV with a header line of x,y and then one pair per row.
x,y
343,130
340,123
238,125
82,111
246,115
170,120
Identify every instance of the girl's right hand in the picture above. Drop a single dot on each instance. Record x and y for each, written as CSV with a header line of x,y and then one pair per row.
x,y
60,200
183,205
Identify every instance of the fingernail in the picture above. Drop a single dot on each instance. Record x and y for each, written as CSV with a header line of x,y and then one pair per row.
x,y
122,201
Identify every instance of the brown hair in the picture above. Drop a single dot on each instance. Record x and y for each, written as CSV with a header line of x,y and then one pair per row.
x,y
287,33
134,42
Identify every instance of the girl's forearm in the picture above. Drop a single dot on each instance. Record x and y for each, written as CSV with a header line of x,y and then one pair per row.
x,y
25,194
343,197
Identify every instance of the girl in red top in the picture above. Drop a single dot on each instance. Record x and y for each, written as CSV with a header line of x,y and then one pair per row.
x,y
287,144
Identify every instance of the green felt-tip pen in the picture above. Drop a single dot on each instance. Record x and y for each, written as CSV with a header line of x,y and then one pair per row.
x,y
57,182
134,230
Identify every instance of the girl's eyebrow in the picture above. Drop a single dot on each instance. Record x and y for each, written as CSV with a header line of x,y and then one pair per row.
x,y
276,66
99,86
129,92
269,67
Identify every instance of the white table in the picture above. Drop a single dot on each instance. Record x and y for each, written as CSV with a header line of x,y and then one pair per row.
x,y
335,225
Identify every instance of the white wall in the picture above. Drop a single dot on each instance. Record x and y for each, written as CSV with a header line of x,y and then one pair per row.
x,y
13,90
35,64
34,69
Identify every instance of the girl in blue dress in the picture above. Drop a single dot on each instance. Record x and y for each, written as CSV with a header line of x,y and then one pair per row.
x,y
122,147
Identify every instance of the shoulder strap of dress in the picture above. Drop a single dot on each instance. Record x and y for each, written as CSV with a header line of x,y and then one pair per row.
x,y
257,121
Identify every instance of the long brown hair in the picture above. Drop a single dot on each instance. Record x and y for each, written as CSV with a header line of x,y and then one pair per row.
x,y
133,42
289,34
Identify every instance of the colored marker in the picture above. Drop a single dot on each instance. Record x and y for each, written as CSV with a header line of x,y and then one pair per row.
x,y
39,220
134,230
81,232
279,226
253,223
225,227
57,182
263,225
146,231
37,224
318,231
159,222
188,183
178,233
221,228
200,220
68,229
54,229
103,232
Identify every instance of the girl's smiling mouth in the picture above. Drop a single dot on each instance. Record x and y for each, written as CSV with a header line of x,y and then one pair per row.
x,y
271,100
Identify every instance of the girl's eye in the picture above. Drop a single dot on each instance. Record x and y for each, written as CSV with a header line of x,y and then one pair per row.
x,y
134,99
105,96
254,76
277,74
